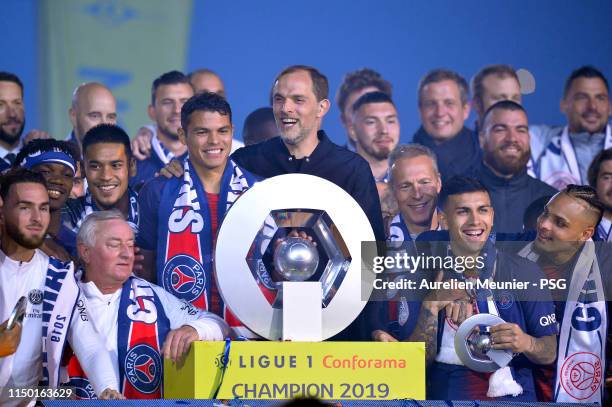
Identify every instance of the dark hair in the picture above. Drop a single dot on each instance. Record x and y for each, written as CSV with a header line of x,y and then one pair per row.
x,y
361,79
45,145
588,195
458,185
586,71
169,78
593,173
501,105
206,102
499,70
18,176
11,77
372,97
107,133
253,125
439,75
320,85
533,211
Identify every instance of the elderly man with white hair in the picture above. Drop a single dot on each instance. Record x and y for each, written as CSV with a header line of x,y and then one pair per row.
x,y
141,322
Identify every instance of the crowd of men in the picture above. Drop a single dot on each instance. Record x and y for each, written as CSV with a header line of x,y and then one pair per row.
x,y
94,228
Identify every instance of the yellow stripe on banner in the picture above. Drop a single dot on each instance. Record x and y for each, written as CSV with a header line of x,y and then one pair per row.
x,y
124,44
282,370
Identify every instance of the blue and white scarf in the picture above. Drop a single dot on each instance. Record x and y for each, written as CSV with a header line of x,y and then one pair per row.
x,y
164,155
484,301
89,206
582,341
59,299
558,164
185,246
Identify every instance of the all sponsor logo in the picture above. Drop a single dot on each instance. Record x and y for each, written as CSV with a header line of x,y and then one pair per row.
x,y
581,375
143,368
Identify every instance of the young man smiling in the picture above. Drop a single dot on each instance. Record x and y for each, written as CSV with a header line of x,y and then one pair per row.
x,y
468,216
56,161
183,214
52,316
108,165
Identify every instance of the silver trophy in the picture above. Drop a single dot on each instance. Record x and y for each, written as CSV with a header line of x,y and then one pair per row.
x,y
283,286
473,344
296,259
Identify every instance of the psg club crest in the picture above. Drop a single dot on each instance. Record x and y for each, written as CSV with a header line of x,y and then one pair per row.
x,y
143,368
505,300
581,375
184,277
82,388
35,296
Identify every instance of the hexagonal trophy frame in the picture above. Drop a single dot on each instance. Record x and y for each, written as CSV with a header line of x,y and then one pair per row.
x,y
268,211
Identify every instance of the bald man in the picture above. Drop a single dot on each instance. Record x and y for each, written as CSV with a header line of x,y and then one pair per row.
x,y
205,80
92,104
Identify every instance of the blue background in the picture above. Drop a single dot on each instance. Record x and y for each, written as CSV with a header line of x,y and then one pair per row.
x,y
249,42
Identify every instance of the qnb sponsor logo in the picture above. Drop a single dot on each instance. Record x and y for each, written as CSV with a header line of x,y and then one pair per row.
x,y
547,320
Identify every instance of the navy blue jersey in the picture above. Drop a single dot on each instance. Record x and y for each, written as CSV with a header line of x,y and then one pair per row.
x,y
454,382
149,199
146,170
76,210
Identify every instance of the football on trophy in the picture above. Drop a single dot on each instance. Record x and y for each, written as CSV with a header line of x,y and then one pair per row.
x,y
296,259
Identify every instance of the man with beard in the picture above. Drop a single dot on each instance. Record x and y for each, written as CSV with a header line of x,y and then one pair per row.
x,y
468,215
504,137
444,108
300,101
354,85
12,118
564,250
375,131
56,162
92,104
561,154
600,178
56,312
108,164
169,93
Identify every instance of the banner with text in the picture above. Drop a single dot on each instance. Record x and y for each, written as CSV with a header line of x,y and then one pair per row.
x,y
284,370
